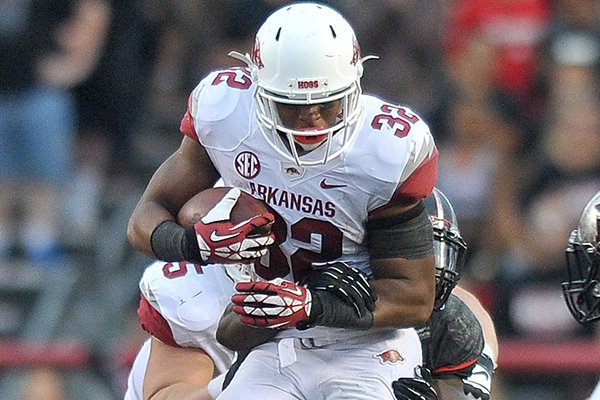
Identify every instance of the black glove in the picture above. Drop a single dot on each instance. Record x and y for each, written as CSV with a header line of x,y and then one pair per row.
x,y
415,388
346,283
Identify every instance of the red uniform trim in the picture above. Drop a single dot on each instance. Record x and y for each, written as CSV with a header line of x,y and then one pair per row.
x,y
154,323
419,184
454,368
187,123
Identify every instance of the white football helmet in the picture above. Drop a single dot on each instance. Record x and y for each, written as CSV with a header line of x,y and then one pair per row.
x,y
306,53
582,288
448,245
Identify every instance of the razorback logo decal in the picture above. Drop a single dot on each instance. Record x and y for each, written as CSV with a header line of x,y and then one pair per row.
x,y
356,54
391,356
256,59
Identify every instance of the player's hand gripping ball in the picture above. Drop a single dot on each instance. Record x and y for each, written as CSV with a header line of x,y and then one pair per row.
x,y
229,225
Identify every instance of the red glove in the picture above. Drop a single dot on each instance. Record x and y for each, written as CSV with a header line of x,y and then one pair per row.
x,y
220,241
275,304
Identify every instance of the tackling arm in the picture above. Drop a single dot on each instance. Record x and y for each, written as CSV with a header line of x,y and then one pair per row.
x,y
449,389
479,383
187,376
237,336
487,324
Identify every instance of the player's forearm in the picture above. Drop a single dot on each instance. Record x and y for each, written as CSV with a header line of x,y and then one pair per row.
x,y
236,336
487,324
185,173
402,303
181,391
406,291
145,218
449,389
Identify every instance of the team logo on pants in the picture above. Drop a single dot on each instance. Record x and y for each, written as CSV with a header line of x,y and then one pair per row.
x,y
391,356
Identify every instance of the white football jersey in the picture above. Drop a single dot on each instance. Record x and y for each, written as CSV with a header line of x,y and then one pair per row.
x,y
596,394
323,208
181,304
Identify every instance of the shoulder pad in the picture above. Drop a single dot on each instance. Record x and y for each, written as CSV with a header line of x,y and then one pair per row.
x,y
396,149
220,107
218,94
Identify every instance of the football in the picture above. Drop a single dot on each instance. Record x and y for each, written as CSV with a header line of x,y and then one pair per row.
x,y
197,207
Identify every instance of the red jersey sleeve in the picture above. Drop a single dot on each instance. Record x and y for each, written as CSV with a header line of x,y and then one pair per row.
x,y
421,182
154,323
187,122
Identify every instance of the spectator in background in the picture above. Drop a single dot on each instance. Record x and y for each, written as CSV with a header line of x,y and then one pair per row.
x,y
111,103
44,383
560,177
46,47
196,38
575,25
515,28
150,62
485,132
406,35
565,169
573,37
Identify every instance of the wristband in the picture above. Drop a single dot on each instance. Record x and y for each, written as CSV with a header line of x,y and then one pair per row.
x,y
329,310
171,242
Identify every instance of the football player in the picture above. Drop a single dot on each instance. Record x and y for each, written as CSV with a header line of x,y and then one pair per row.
x,y
581,289
459,340
457,365
337,167
180,306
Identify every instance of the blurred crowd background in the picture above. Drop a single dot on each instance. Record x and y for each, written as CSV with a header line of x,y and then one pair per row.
x,y
91,96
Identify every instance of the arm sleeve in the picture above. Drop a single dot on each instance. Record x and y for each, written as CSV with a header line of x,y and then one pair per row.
x,y
456,341
409,235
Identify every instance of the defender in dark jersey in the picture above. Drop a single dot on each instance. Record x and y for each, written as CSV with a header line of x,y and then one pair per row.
x,y
456,364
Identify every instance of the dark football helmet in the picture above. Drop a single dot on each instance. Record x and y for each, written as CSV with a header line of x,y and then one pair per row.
x,y
582,288
449,246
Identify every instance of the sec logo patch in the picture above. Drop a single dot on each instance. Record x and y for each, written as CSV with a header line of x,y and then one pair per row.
x,y
247,165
